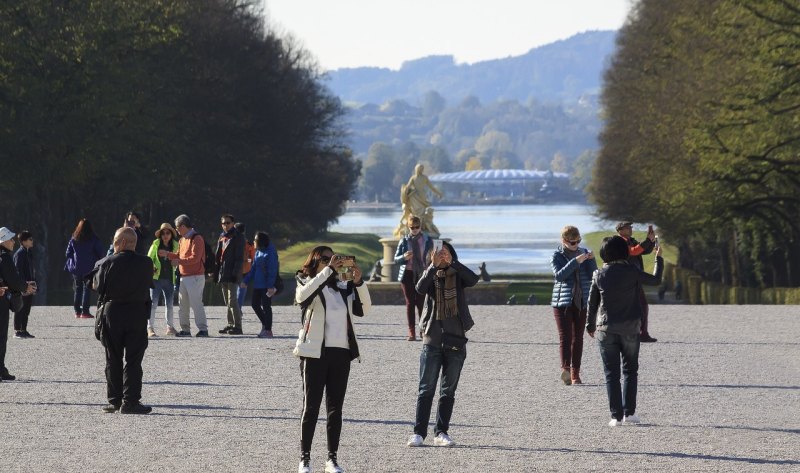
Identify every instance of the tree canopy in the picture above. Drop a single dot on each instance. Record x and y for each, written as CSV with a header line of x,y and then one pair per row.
x,y
701,136
165,107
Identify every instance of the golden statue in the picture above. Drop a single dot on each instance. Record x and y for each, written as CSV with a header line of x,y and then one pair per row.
x,y
415,202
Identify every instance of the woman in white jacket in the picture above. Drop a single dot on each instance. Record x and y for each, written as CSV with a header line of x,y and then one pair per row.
x,y
326,345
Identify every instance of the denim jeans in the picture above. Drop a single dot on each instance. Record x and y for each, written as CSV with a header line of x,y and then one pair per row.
x,y
613,347
82,293
162,286
432,360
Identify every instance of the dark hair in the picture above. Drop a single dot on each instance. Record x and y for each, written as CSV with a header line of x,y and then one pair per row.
x,y
228,217
135,214
24,235
261,240
240,227
310,266
614,248
83,231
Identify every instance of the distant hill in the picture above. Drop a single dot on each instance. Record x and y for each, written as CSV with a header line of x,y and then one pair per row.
x,y
559,72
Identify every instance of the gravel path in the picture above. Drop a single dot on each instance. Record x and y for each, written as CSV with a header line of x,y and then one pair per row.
x,y
719,391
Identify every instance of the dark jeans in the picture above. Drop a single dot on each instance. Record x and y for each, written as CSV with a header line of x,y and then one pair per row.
x,y
413,299
613,347
127,338
82,293
262,305
645,312
21,317
329,373
4,315
570,323
432,360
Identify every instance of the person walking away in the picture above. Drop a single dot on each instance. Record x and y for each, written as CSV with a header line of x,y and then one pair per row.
x,y
413,253
123,281
262,274
326,346
23,261
163,277
615,315
189,259
635,252
83,251
247,263
10,283
444,325
572,267
230,259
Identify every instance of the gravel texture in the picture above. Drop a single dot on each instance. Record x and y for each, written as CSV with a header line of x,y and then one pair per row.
x,y
719,391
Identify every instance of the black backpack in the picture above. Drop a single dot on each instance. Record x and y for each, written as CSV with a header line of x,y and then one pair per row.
x,y
210,261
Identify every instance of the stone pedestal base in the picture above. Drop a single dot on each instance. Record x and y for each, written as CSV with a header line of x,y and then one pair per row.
x,y
389,270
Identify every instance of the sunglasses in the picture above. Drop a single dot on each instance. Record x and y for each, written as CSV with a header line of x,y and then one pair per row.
x,y
325,259
573,242
415,228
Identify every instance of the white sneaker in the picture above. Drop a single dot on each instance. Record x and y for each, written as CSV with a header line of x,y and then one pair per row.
x,y
614,423
631,419
443,440
305,466
415,441
332,467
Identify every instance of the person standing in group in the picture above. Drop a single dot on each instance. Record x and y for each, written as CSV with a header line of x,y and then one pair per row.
x,y
134,221
262,274
635,252
123,281
23,261
326,345
83,251
189,259
247,263
413,256
444,326
10,282
163,277
573,267
230,260
615,295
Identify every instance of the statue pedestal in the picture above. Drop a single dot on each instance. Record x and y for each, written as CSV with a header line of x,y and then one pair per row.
x,y
389,269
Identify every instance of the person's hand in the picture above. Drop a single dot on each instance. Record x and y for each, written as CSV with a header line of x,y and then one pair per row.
x,y
442,258
336,263
271,292
651,234
583,257
174,263
356,274
591,334
3,291
407,255
31,289
163,253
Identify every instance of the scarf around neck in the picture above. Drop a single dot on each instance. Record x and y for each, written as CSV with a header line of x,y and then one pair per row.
x,y
446,294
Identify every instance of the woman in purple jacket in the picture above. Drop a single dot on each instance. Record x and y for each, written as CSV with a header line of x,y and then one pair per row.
x,y
83,251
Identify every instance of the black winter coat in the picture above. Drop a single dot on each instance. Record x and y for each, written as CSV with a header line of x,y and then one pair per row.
x,y
9,278
230,257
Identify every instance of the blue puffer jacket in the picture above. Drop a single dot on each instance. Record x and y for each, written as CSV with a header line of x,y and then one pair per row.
x,y
403,247
564,273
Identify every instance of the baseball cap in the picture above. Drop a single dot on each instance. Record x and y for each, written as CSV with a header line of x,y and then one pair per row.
x,y
624,224
6,234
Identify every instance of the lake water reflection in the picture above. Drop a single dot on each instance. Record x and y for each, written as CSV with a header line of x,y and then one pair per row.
x,y
511,239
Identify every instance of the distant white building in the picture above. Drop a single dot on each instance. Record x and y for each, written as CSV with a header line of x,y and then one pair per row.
x,y
503,184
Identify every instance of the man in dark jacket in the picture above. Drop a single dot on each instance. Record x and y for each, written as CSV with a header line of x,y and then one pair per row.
x,y
123,281
230,259
635,252
615,294
10,283
23,260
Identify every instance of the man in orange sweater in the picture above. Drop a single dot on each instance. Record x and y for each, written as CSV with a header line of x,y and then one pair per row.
x,y
189,260
635,252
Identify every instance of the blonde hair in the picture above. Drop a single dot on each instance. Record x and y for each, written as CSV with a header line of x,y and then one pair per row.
x,y
570,233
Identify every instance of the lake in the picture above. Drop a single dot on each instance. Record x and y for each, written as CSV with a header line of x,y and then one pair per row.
x,y
511,239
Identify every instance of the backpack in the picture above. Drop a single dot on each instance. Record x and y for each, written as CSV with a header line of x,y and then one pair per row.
x,y
210,261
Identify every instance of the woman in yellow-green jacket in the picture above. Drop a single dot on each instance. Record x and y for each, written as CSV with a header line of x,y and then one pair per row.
x,y
163,276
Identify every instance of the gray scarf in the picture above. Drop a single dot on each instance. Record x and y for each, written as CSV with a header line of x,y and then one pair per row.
x,y
416,256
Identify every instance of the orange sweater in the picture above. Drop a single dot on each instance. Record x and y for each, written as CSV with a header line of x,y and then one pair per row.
x,y
190,256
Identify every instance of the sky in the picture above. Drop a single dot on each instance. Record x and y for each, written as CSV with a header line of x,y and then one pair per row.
x,y
384,33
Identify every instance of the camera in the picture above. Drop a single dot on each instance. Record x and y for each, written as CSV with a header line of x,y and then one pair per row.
x,y
346,269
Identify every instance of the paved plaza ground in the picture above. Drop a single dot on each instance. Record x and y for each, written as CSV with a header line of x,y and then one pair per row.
x,y
720,391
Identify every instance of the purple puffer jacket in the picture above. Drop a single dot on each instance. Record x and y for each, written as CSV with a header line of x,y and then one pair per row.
x,y
82,255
